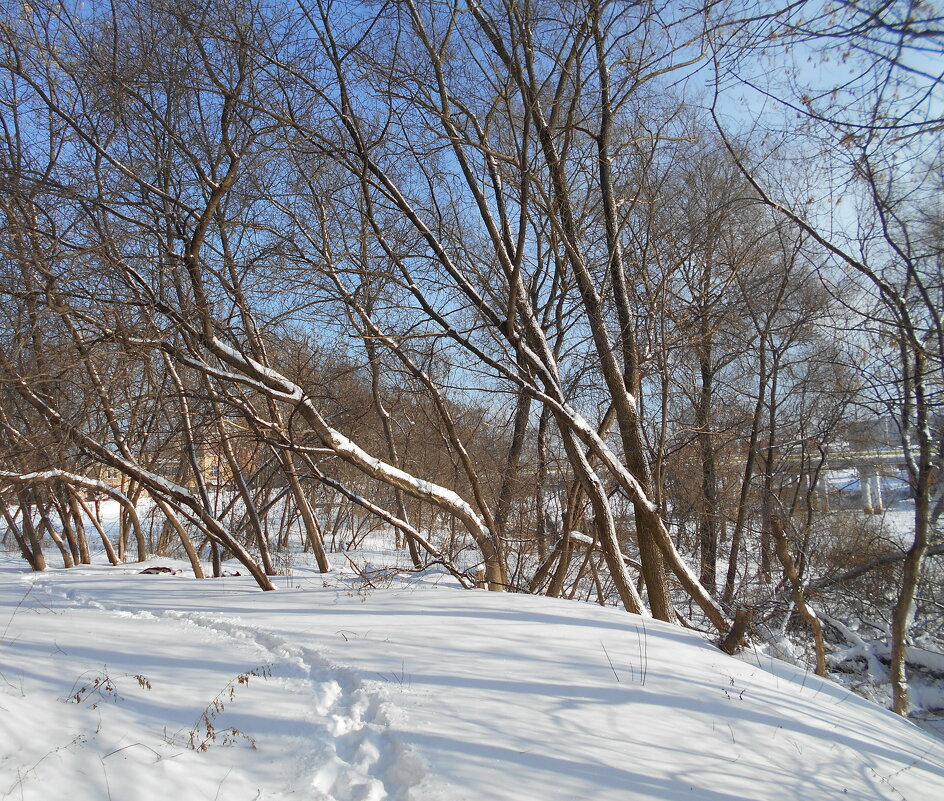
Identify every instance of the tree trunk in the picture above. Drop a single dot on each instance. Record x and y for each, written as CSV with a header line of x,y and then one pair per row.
x,y
798,593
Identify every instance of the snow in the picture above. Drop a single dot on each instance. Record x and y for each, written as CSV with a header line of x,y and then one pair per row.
x,y
411,690
290,390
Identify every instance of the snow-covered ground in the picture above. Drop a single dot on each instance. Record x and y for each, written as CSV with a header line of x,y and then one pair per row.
x,y
410,690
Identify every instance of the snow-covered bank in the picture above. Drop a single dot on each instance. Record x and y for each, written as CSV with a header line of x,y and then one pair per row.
x,y
411,691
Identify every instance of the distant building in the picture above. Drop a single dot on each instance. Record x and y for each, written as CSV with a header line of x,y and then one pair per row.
x,y
876,434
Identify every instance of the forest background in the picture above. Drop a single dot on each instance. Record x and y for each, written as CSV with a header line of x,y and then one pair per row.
x,y
591,299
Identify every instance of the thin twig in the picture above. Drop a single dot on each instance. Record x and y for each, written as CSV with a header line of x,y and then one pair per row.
x,y
610,661
16,609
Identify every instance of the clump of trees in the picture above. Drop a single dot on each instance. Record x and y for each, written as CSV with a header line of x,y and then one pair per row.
x,y
490,275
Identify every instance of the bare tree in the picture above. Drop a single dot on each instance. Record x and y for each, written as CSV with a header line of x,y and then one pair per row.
x,y
878,130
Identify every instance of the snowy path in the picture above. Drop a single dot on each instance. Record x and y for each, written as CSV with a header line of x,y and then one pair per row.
x,y
433,693
324,735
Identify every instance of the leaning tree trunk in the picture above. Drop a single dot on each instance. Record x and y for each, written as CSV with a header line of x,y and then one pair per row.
x,y
798,592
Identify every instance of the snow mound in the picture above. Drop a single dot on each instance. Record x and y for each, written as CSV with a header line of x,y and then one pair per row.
x,y
115,685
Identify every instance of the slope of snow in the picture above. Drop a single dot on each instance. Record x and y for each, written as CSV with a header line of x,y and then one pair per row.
x,y
411,691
